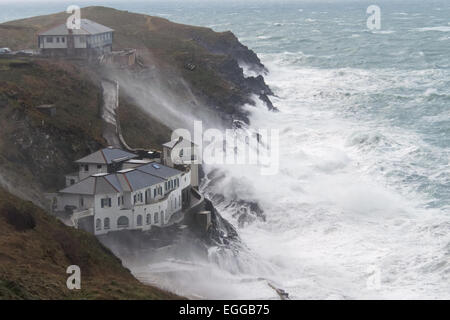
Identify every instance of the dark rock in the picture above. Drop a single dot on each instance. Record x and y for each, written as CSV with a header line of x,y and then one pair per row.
x,y
230,45
221,231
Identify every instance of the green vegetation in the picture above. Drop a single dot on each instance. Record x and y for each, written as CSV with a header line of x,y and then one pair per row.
x,y
36,249
34,143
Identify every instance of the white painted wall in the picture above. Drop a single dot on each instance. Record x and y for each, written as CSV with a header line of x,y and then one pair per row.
x,y
67,199
71,178
100,40
164,209
92,169
80,42
44,44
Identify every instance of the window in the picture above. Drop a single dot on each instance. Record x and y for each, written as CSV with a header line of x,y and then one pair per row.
x,y
106,224
63,39
134,199
57,39
156,217
166,186
86,167
181,153
154,193
82,202
148,219
105,202
98,224
120,200
122,222
49,39
139,220
82,39
72,181
99,166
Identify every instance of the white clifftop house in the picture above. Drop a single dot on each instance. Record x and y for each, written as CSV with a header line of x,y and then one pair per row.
x,y
182,151
114,191
92,39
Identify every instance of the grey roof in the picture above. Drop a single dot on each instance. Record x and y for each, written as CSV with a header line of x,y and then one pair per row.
x,y
173,142
107,156
159,170
90,186
139,180
114,181
127,180
88,27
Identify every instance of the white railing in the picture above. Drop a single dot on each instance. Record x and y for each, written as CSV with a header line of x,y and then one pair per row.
x,y
80,215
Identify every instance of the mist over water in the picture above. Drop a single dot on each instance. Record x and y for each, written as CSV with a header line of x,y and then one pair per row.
x,y
363,189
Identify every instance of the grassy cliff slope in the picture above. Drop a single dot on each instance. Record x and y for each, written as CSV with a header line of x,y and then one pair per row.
x,y
37,149
36,249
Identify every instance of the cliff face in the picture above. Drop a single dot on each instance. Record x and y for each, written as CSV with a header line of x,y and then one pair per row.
x,y
37,149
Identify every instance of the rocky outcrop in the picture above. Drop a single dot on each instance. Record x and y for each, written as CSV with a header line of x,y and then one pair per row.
x,y
221,231
231,70
228,44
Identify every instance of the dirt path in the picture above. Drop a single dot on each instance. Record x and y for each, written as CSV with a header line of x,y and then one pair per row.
x,y
110,104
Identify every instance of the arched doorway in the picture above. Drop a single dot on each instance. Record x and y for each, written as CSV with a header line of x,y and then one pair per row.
x,y
123,222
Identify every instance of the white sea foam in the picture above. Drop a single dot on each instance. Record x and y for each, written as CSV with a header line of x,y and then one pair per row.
x,y
441,29
333,212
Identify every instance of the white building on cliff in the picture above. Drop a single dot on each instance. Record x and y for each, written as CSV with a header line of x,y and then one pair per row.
x,y
114,191
91,39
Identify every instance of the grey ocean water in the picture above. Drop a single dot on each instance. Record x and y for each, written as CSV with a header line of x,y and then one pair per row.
x,y
363,191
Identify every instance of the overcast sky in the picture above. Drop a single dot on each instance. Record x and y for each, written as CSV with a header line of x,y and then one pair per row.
x,y
149,1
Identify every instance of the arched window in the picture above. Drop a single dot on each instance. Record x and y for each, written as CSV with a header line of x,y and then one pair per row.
x,y
122,222
139,220
148,219
98,224
106,224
